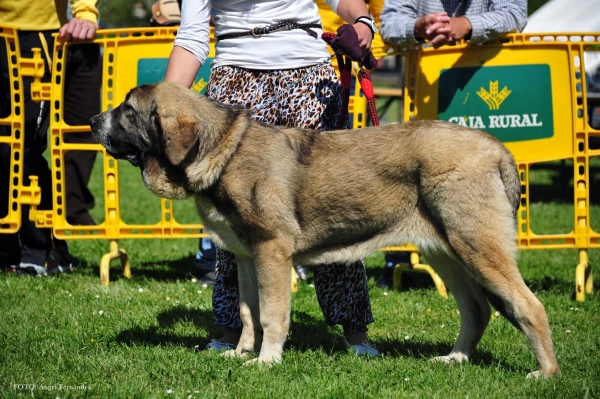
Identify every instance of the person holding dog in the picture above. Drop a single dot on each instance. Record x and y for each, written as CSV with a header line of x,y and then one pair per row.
x,y
270,59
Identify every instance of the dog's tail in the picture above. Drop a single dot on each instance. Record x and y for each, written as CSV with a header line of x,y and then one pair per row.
x,y
510,178
509,174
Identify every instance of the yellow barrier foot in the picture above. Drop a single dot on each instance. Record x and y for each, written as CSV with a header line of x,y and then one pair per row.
x,y
584,282
415,266
114,253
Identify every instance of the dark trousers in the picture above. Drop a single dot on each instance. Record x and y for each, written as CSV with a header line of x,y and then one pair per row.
x,y
83,78
30,244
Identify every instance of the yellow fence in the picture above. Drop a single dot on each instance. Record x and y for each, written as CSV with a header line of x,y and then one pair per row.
x,y
19,191
131,57
528,90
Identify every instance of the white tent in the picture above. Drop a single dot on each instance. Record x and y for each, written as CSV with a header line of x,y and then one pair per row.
x,y
569,16
566,16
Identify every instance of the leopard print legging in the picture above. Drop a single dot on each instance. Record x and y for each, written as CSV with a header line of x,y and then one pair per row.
x,y
313,103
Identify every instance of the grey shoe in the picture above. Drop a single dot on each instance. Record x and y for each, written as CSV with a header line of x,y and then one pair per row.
x,y
206,277
364,349
219,346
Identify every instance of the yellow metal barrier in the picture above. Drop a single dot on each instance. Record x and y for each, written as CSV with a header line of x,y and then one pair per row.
x,y
529,91
480,86
131,57
19,192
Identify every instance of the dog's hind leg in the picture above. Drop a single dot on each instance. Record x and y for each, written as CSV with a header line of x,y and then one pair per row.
x,y
250,338
472,305
490,260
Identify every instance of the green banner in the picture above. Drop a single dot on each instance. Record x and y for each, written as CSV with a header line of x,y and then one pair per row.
x,y
152,70
514,103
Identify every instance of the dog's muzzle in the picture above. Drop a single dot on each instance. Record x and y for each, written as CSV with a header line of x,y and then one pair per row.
x,y
118,150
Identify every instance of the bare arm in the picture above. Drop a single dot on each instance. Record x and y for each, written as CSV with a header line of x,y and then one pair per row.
x,y
191,44
183,66
349,11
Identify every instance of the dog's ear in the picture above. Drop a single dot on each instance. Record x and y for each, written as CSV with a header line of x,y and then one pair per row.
x,y
179,130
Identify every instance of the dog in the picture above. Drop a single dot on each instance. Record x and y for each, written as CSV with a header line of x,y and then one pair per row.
x,y
277,196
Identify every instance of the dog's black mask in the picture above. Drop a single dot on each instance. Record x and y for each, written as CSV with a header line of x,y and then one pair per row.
x,y
123,133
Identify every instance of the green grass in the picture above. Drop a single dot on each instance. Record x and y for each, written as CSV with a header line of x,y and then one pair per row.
x,y
144,337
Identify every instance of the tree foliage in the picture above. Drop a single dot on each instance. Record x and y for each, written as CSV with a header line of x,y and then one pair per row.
x,y
136,13
124,13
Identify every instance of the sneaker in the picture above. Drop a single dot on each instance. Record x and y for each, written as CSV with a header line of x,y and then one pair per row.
x,y
363,349
205,277
56,265
219,346
61,269
32,269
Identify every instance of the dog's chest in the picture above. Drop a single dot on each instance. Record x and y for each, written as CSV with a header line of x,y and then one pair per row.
x,y
221,232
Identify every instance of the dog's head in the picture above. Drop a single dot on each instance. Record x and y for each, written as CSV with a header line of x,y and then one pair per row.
x,y
157,129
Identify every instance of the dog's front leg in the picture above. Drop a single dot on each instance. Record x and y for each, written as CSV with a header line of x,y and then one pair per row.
x,y
250,339
273,262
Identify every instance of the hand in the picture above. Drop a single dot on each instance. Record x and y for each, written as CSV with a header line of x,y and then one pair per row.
x,y
365,37
78,30
435,28
459,28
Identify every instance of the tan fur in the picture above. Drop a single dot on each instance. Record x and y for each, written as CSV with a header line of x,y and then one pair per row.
x,y
279,196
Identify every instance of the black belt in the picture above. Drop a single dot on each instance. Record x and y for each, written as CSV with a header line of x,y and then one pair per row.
x,y
258,32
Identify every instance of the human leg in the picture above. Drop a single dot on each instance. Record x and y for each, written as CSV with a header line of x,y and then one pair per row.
x,y
314,105
226,301
35,243
83,78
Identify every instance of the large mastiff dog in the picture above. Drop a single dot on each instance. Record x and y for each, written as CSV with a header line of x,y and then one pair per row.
x,y
278,196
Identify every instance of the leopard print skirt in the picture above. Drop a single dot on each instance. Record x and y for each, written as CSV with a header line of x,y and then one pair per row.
x,y
309,98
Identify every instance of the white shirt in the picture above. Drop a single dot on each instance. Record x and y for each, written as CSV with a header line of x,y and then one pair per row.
x,y
283,49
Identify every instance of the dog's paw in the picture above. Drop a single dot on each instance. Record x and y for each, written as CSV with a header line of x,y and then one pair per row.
x,y
451,358
535,374
233,353
257,361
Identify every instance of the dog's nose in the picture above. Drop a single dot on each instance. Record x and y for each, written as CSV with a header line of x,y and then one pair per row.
x,y
94,120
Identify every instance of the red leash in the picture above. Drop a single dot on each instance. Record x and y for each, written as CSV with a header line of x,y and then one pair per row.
x,y
366,85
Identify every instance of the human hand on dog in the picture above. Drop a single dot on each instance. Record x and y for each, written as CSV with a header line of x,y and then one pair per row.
x,y
78,30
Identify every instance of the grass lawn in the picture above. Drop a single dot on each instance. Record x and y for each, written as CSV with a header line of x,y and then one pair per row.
x,y
144,337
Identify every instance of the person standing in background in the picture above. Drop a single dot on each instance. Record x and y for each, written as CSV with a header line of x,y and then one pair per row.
x,y
444,22
33,250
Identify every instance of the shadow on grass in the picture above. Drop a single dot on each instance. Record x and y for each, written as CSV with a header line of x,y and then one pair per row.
x,y
427,351
552,285
306,333
162,271
163,335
